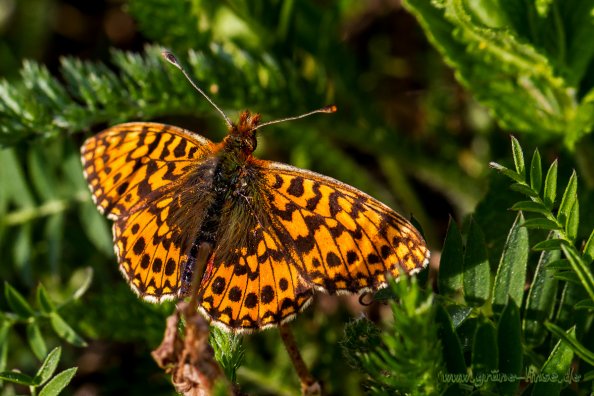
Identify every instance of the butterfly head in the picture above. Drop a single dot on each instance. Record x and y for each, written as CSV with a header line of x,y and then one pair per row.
x,y
242,135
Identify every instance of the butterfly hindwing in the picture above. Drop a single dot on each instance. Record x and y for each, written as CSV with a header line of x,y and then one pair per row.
x,y
256,287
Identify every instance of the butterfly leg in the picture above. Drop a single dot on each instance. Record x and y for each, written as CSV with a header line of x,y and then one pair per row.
x,y
309,386
193,271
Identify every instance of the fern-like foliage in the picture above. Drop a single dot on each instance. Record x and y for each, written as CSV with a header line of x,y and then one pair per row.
x,y
526,61
405,358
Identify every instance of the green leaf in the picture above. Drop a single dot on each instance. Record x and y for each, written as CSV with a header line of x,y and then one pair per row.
x,y
586,304
58,383
5,326
458,314
484,350
531,206
450,278
49,365
477,274
43,300
96,228
573,221
559,265
518,157
524,189
87,278
567,276
453,355
507,172
550,244
509,341
568,200
550,187
17,302
511,273
543,224
573,343
555,369
523,56
536,172
580,269
36,341
588,253
64,331
17,378
229,351
540,303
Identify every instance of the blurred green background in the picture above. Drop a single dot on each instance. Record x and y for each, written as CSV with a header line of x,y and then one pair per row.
x,y
406,132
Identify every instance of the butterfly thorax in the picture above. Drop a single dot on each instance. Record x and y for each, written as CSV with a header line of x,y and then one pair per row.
x,y
241,140
229,182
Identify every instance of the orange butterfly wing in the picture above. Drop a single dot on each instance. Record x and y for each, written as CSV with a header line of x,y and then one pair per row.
x,y
257,286
135,172
127,162
308,232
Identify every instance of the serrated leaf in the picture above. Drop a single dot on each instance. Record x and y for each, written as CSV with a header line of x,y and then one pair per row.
x,y
518,157
64,331
17,378
550,187
531,206
58,383
17,302
507,172
36,341
511,273
524,189
556,366
43,300
550,244
477,274
536,172
543,224
450,278
540,303
49,365
568,200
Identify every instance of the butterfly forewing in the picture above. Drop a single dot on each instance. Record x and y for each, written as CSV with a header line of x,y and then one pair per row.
x,y
126,163
344,239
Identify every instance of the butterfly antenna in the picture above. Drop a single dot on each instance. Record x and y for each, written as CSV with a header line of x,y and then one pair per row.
x,y
169,57
326,109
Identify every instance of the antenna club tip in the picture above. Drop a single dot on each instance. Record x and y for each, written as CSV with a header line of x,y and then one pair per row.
x,y
330,109
169,57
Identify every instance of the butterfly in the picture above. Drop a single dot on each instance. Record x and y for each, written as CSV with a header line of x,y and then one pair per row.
x,y
277,233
